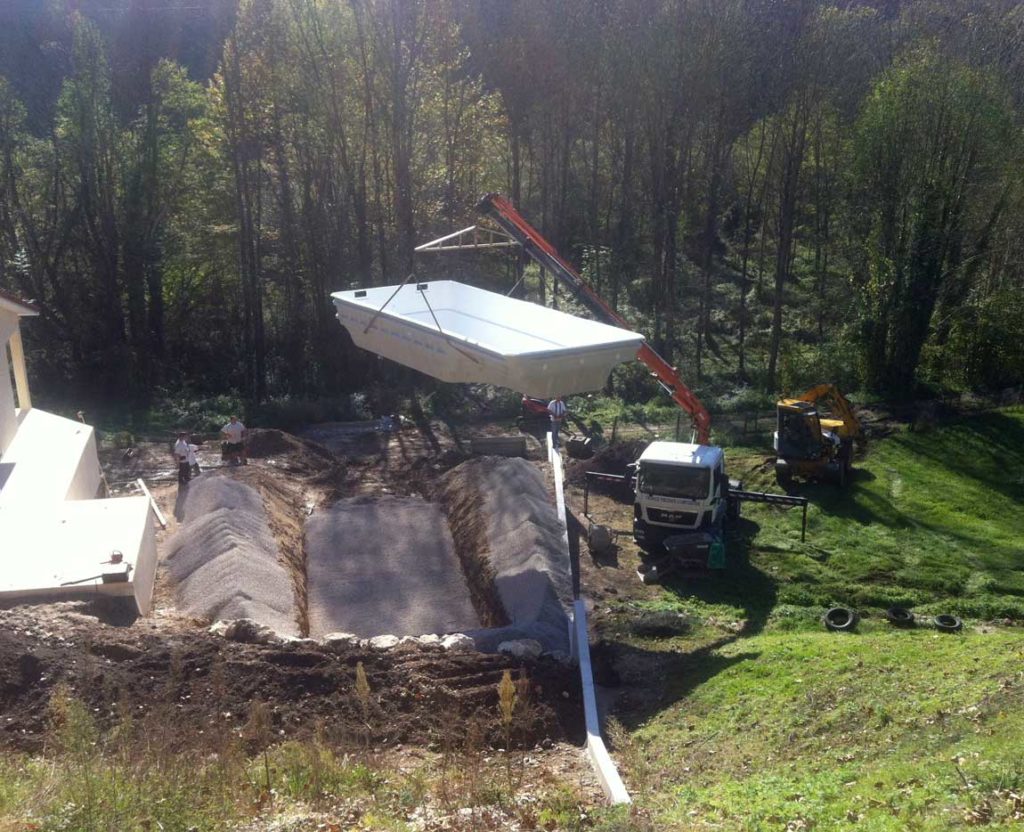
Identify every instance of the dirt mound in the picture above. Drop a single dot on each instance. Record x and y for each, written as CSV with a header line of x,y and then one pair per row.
x,y
459,493
290,453
224,561
201,684
611,459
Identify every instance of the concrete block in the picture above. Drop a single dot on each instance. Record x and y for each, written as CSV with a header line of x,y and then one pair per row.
x,y
458,643
525,648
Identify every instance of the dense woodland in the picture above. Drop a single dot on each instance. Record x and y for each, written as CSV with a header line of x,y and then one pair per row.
x,y
776,192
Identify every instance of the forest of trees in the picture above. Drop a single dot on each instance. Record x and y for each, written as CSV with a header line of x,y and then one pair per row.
x,y
776,192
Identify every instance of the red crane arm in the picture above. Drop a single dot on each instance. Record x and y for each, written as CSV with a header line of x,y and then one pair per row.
x,y
512,222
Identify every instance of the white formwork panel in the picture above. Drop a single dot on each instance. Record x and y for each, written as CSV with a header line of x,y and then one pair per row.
x,y
62,549
458,333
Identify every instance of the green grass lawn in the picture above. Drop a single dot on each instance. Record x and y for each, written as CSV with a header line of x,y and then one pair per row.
x,y
767,721
888,730
932,520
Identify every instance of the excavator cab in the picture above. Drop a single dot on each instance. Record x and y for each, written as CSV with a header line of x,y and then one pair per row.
x,y
810,446
799,431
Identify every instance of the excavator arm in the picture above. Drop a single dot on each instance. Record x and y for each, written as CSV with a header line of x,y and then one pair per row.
x,y
839,404
501,210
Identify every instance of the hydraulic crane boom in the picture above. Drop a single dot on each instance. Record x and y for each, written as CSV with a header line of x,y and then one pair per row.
x,y
499,209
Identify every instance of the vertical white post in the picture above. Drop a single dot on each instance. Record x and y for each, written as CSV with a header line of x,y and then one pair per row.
x,y
20,374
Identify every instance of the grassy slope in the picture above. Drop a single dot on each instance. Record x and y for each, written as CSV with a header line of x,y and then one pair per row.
x,y
774,721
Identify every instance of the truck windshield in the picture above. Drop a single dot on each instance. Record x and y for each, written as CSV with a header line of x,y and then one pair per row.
x,y
674,481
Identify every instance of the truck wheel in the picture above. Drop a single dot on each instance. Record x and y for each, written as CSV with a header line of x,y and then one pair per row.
x,y
841,619
948,623
783,474
841,474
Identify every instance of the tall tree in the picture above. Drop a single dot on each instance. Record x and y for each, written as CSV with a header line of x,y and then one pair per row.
x,y
931,147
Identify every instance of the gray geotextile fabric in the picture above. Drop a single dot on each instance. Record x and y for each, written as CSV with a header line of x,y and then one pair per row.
x,y
526,552
384,565
224,562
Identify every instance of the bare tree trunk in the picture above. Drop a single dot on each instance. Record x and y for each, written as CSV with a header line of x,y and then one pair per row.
x,y
788,196
747,233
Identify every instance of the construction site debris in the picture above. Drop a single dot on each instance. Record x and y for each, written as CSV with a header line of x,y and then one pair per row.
x,y
289,453
385,642
340,640
523,648
498,445
458,643
243,630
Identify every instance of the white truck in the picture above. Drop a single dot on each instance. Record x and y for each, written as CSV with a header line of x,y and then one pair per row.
x,y
682,503
681,499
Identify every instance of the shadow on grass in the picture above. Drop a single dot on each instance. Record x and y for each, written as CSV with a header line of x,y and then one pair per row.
x,y
984,448
993,449
854,502
669,675
660,678
740,584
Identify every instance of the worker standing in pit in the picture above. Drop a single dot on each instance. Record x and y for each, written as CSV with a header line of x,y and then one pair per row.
x,y
181,454
234,434
557,411
193,460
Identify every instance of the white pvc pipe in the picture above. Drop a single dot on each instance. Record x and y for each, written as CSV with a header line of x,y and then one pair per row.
x,y
600,760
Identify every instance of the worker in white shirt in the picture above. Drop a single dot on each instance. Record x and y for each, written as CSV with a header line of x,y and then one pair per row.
x,y
234,433
181,453
193,460
556,410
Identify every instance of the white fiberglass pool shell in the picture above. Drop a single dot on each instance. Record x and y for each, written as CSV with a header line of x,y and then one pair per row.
x,y
458,333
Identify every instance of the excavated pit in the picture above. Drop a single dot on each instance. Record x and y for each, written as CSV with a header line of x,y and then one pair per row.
x,y
477,550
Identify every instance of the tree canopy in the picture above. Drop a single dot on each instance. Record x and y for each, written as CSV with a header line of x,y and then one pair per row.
x,y
775,193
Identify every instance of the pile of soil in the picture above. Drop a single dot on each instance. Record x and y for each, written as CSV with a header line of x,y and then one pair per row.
x,y
289,453
171,673
611,459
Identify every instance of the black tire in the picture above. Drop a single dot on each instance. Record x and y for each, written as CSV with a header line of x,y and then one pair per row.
x,y
900,617
948,623
783,475
841,474
841,619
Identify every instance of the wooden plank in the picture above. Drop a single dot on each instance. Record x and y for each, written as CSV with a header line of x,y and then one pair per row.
x,y
156,509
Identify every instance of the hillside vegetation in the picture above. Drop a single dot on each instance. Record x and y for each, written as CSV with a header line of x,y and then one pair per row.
x,y
771,192
771,722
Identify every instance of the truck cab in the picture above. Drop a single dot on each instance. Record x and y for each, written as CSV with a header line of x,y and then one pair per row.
x,y
680,503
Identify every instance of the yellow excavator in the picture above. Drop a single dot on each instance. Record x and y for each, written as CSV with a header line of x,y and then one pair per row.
x,y
813,446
